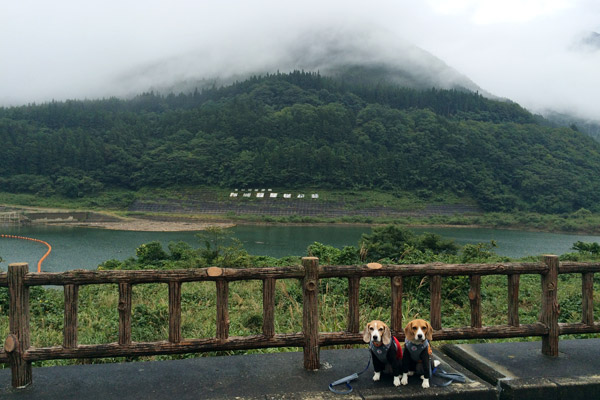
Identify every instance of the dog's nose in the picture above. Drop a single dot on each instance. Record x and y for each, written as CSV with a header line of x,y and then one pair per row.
x,y
420,336
375,337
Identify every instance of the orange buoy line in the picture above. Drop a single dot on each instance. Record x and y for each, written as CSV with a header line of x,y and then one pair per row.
x,y
39,265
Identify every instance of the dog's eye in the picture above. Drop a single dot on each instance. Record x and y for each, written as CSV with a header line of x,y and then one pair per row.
x,y
380,329
424,328
414,328
371,329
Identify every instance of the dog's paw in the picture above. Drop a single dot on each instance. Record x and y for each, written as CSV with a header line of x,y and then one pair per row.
x,y
436,363
376,376
404,380
397,380
425,383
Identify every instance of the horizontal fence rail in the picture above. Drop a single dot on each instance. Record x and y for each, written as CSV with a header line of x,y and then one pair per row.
x,y
20,354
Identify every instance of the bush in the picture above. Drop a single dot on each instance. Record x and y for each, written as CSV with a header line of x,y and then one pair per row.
x,y
150,253
396,243
479,252
330,255
587,248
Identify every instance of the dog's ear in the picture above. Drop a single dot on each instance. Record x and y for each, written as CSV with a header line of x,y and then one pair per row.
x,y
429,334
408,331
367,334
387,335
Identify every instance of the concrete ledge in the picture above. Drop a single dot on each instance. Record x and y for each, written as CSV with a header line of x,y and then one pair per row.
x,y
528,388
520,371
585,387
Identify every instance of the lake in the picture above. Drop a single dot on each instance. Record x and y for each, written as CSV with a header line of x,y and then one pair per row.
x,y
76,247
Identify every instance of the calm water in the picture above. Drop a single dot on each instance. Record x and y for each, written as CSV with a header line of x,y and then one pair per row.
x,y
86,247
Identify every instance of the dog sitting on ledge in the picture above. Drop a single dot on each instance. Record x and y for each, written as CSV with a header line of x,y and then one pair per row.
x,y
417,351
385,350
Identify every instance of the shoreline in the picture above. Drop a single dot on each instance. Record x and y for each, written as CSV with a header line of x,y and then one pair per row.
x,y
182,223
143,225
193,225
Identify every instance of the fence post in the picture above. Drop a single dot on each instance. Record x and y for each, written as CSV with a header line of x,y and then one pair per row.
x,y
310,312
174,312
475,300
396,320
513,299
17,342
587,298
435,288
550,307
353,304
269,307
124,313
71,294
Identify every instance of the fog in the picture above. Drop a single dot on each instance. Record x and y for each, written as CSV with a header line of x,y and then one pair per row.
x,y
543,54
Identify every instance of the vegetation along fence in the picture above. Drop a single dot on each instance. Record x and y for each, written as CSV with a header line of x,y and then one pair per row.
x,y
20,355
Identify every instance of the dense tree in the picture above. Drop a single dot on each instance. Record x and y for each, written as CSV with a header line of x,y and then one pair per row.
x,y
302,129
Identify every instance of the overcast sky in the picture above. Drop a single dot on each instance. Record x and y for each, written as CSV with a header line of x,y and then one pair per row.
x,y
531,51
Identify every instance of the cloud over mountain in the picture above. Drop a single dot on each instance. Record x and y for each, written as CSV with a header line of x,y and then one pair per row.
x,y
332,52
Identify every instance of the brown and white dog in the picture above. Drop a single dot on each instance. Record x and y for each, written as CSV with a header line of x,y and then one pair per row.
x,y
385,349
417,350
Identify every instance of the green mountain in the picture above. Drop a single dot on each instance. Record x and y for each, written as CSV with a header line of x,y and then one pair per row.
x,y
589,127
302,129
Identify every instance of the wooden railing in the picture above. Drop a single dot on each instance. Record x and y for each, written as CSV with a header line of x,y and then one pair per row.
x,y
19,353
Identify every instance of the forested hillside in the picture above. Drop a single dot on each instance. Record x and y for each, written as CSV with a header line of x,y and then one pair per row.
x,y
299,130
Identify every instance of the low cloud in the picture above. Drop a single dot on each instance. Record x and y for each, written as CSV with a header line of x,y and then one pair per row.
x,y
542,54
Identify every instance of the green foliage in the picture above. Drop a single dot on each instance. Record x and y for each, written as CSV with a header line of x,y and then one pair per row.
x,y
150,253
4,301
587,248
181,251
399,244
215,252
302,130
375,293
329,255
480,252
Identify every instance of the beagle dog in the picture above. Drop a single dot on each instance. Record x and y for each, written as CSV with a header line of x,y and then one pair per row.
x,y
417,350
385,349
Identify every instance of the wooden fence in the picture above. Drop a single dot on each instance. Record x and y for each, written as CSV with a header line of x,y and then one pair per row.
x,y
19,353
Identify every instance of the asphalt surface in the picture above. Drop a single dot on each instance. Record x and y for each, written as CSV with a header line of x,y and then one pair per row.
x,y
256,376
503,371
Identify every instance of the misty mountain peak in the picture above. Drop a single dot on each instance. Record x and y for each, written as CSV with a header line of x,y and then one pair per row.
x,y
368,56
377,57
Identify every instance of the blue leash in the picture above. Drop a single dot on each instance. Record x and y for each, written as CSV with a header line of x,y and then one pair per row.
x,y
449,376
437,372
348,379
